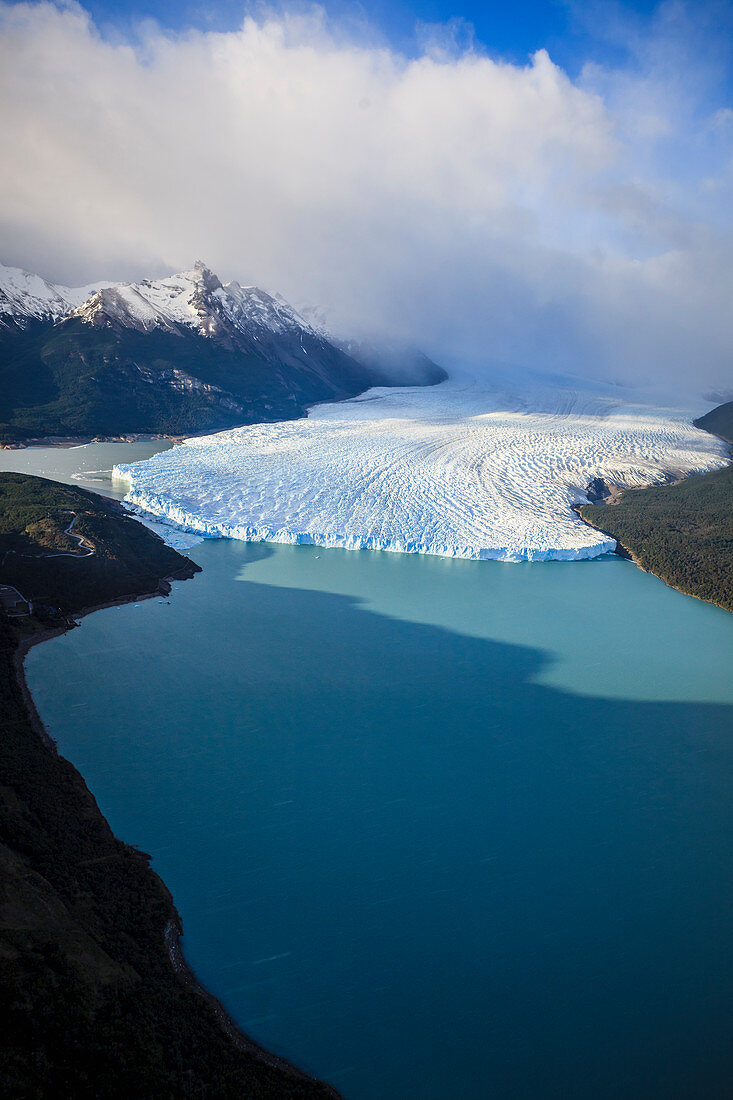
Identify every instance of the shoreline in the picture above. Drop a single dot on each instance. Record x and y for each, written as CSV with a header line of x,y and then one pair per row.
x,y
173,930
71,441
26,644
613,498
229,1026
622,551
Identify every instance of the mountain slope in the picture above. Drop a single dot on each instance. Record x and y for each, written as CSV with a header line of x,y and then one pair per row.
x,y
176,355
25,298
719,421
682,533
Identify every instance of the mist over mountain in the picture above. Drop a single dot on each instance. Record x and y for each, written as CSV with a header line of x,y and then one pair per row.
x,y
180,354
487,210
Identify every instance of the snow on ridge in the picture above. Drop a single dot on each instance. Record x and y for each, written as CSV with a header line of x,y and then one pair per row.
x,y
454,470
25,296
195,299
125,305
198,300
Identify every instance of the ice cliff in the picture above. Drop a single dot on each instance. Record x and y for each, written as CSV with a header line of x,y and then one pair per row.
x,y
461,470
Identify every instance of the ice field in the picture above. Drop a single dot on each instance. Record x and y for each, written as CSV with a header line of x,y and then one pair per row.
x,y
460,469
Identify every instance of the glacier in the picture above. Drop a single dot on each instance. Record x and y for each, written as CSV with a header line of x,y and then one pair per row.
x,y
464,469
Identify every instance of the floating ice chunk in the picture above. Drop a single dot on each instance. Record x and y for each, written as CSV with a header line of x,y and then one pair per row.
x,y
171,534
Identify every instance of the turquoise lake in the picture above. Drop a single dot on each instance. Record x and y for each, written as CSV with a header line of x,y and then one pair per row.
x,y
435,828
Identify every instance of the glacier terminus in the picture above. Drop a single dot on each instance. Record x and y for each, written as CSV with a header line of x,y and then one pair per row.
x,y
464,469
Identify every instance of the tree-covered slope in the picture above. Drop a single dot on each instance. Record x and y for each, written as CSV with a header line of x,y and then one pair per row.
x,y
683,533
77,379
47,562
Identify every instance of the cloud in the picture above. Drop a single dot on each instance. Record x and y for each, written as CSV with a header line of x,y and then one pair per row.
x,y
493,213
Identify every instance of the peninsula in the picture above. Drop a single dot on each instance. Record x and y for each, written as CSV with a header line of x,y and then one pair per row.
x,y
683,532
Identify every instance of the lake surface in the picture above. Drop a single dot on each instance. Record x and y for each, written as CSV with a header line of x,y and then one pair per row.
x,y
435,828
89,464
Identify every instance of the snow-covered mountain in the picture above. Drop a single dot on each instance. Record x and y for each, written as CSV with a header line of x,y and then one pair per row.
x,y
183,353
194,299
25,297
197,300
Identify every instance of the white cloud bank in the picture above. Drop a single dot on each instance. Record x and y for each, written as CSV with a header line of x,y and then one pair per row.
x,y
491,212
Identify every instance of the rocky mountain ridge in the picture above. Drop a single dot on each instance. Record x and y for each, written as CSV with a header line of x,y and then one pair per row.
x,y
185,353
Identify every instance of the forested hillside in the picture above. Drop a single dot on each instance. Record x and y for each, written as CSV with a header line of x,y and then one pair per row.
x,y
683,533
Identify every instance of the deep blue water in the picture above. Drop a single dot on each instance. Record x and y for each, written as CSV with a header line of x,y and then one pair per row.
x,y
435,828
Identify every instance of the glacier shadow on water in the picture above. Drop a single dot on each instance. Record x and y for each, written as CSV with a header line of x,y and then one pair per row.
x,y
402,861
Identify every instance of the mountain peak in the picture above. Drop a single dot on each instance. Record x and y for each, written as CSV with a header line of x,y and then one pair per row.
x,y
203,275
181,353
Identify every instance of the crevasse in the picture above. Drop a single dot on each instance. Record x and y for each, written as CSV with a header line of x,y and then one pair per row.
x,y
457,470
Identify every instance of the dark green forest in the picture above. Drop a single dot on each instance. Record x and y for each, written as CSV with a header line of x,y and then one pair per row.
x,y
76,379
683,533
51,567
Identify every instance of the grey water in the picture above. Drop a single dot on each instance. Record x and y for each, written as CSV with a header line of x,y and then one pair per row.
x,y
435,828
88,464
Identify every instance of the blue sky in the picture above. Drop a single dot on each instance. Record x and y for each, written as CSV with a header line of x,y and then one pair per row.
x,y
608,33
572,30
556,191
